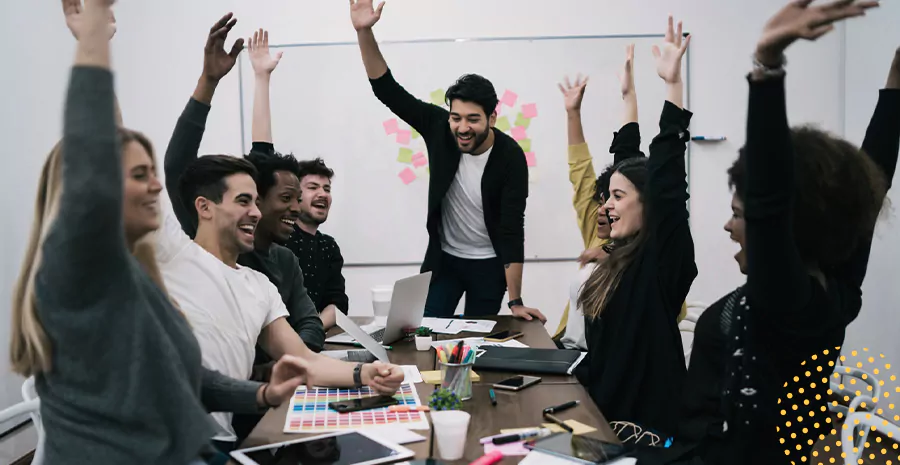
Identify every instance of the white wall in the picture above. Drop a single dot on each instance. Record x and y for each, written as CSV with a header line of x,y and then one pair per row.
x,y
158,54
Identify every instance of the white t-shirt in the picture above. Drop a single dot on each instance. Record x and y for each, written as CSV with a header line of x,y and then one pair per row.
x,y
463,232
226,307
574,337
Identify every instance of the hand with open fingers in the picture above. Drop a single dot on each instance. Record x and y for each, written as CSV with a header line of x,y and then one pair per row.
x,y
384,378
528,313
216,61
669,55
263,62
288,373
573,94
592,255
627,76
799,19
363,15
76,16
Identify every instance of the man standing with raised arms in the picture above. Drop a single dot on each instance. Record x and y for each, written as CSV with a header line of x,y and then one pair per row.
x,y
478,188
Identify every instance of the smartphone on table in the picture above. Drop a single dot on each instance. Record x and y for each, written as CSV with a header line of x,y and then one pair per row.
x,y
365,403
502,336
580,449
517,383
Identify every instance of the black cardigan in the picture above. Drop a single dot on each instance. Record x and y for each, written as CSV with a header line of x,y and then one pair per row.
x,y
504,185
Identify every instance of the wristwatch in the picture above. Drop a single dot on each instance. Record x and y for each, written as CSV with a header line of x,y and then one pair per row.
x,y
357,375
515,302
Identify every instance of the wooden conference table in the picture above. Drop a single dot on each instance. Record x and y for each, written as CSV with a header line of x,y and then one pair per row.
x,y
513,410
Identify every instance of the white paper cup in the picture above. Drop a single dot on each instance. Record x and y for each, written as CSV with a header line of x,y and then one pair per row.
x,y
381,300
450,430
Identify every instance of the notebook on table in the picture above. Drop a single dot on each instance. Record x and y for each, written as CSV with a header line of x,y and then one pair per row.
x,y
529,360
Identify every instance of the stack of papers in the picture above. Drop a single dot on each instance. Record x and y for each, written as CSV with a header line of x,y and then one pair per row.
x,y
458,325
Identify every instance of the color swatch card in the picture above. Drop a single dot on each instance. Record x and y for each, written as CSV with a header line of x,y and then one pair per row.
x,y
309,411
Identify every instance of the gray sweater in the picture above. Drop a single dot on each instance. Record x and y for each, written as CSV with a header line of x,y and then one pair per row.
x,y
126,383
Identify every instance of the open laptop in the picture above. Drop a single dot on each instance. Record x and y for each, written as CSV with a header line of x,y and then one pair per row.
x,y
407,310
373,349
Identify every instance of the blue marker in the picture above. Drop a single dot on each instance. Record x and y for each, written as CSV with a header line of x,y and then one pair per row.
x,y
709,139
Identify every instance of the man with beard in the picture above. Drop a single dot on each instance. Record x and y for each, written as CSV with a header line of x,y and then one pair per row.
x,y
319,255
478,188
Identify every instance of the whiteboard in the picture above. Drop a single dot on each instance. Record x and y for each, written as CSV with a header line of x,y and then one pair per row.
x,y
323,106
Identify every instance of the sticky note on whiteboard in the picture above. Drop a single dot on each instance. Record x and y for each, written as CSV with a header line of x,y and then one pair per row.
x,y
530,159
518,133
525,144
405,156
391,126
407,176
437,97
499,107
417,162
415,134
521,120
529,110
403,136
509,98
502,124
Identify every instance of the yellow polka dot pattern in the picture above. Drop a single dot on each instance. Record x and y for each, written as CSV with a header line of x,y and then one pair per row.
x,y
819,363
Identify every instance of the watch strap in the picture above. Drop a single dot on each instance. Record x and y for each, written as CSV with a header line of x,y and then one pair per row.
x,y
357,375
514,302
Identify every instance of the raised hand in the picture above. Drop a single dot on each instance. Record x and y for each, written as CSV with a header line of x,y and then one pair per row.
x,y
216,61
799,20
573,94
75,17
668,56
263,62
363,15
627,76
288,373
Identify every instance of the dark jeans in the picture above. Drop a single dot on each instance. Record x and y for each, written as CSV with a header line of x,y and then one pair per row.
x,y
483,282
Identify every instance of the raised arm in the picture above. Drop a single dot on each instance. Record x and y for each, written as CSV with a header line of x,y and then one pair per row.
x,y
87,233
418,114
777,279
882,144
581,164
263,65
185,142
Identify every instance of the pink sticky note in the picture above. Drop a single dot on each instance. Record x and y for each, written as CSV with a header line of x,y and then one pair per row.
x,y
417,162
391,127
511,449
407,176
530,159
529,110
518,133
418,155
404,136
509,98
499,107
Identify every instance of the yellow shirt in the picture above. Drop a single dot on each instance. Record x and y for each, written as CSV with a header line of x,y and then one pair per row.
x,y
583,179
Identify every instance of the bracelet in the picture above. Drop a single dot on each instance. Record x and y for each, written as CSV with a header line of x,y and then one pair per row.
x,y
266,398
357,375
763,70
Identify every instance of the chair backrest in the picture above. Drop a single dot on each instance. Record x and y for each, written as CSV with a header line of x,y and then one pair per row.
x,y
29,393
859,425
872,389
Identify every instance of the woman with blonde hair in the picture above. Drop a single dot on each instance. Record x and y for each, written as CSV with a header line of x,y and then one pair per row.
x,y
117,367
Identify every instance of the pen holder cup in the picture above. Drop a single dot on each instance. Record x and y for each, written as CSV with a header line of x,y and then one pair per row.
x,y
457,377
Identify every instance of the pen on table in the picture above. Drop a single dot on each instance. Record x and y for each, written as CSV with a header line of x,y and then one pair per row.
x,y
489,458
562,407
356,344
557,421
448,324
493,397
488,439
708,138
516,437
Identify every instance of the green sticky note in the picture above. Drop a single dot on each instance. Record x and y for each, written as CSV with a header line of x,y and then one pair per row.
x,y
525,144
502,124
405,155
437,97
521,120
415,134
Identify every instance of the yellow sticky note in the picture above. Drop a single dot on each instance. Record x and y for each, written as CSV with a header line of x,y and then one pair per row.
x,y
434,377
405,155
521,120
502,124
437,97
577,427
415,134
525,144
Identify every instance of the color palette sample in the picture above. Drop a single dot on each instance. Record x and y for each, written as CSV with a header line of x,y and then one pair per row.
x,y
309,412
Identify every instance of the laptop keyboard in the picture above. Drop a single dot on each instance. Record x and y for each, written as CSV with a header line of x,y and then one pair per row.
x,y
363,356
378,335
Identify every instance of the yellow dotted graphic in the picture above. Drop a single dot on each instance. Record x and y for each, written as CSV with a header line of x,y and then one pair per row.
x,y
850,379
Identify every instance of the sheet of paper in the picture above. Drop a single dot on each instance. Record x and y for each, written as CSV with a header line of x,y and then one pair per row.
x,y
515,430
407,176
530,159
440,325
511,449
472,341
525,144
509,98
577,427
395,434
521,120
405,155
540,458
510,343
411,374
403,136
518,133
529,110
457,325
437,97
502,124
391,126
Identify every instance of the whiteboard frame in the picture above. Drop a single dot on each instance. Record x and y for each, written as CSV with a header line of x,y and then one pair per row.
x,y
687,103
